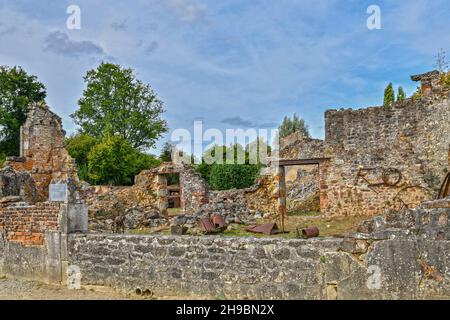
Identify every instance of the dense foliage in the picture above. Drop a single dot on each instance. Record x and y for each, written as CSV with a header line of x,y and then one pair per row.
x,y
224,169
115,161
17,91
232,176
116,103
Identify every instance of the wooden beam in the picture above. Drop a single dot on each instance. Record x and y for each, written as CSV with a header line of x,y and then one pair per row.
x,y
299,162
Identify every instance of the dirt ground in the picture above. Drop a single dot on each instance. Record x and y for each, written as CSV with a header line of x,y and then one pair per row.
x,y
14,289
11,289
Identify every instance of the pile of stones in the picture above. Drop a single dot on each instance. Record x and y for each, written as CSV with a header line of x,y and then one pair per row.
x,y
134,218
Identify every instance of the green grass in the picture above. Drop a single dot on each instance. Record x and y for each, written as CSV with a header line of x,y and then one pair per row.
x,y
304,214
328,227
174,211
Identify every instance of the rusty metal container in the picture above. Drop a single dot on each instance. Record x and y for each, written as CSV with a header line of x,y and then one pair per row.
x,y
219,222
312,232
206,225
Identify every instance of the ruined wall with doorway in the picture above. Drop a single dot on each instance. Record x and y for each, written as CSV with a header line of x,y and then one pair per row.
x,y
380,158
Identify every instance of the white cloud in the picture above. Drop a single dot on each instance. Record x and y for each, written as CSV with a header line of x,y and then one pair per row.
x,y
186,10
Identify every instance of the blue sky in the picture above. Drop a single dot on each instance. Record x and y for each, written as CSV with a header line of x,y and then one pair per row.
x,y
233,63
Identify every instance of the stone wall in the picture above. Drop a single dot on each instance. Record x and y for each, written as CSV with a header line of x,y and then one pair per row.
x,y
17,184
44,263
302,189
398,256
194,190
43,152
249,268
380,158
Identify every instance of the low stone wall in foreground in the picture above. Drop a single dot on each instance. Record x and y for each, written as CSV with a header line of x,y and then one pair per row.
x,y
240,268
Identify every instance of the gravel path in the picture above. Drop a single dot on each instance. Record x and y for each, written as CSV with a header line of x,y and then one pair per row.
x,y
11,289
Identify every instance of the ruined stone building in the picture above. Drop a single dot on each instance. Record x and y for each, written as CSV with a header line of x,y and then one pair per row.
x,y
42,150
39,198
371,159
380,157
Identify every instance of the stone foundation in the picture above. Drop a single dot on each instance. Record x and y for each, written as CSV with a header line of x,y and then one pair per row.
x,y
249,268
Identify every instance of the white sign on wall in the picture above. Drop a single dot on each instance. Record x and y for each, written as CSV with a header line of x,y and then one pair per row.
x,y
58,192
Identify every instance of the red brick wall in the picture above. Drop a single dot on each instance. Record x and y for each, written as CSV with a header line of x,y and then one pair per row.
x,y
28,224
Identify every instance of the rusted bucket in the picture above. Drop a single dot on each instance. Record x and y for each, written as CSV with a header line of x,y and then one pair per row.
x,y
312,232
206,225
219,222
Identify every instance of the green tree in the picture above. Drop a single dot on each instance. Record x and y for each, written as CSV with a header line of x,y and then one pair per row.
x,y
289,126
389,95
166,152
115,161
401,94
17,91
79,146
115,102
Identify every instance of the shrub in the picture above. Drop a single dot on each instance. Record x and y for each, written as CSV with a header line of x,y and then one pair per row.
x,y
232,176
445,79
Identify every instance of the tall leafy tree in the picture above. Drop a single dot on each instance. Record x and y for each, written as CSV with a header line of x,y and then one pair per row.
x,y
17,90
389,95
291,125
401,94
116,103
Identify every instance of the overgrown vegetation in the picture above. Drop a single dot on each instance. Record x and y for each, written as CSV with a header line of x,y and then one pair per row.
x,y
445,78
222,169
111,160
17,90
115,161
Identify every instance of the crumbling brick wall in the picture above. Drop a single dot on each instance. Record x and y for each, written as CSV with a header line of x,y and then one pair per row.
x,y
380,157
42,150
27,224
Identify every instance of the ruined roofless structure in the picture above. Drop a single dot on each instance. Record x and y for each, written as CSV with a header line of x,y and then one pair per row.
x,y
379,158
42,150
